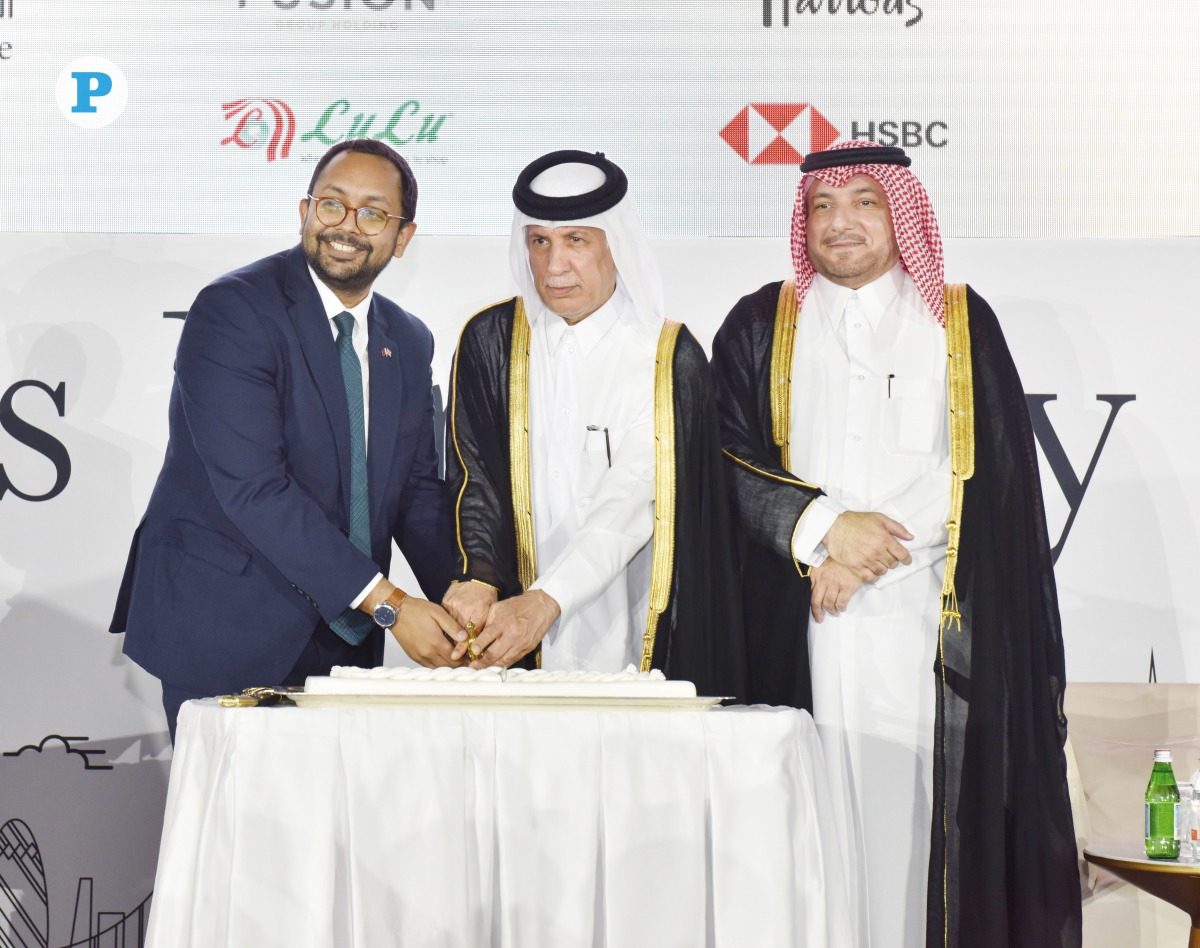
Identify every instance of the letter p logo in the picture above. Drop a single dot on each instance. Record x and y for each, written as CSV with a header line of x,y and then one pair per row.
x,y
88,86
91,92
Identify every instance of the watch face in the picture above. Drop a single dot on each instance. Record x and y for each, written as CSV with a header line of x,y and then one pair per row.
x,y
385,615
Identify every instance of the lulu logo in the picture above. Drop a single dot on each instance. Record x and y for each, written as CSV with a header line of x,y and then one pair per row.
x,y
271,123
336,123
254,129
778,133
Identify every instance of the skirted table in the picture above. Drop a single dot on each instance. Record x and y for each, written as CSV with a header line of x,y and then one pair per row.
x,y
371,826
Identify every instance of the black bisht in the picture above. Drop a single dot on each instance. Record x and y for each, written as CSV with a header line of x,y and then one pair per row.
x,y
1003,865
699,635
767,501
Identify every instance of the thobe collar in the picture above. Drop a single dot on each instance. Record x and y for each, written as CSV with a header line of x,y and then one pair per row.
x,y
873,299
589,330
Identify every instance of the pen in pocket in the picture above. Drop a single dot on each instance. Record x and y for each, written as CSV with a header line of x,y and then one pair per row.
x,y
607,444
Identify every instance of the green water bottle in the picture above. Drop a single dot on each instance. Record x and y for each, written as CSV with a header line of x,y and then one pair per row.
x,y
1162,809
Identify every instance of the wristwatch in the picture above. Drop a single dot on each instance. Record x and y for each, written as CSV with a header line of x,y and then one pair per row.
x,y
386,611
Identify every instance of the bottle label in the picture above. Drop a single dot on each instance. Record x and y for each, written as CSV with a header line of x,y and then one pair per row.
x,y
1162,821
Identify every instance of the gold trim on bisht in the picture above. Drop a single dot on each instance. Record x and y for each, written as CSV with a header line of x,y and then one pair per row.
x,y
783,342
961,400
804,573
767,474
454,438
663,560
961,404
518,443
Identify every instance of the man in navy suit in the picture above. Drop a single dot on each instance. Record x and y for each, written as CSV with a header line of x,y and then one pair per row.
x,y
301,443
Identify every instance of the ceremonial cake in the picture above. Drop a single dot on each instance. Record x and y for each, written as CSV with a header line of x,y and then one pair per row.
x,y
497,683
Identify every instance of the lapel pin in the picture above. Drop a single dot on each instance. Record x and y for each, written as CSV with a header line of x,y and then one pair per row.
x,y
387,353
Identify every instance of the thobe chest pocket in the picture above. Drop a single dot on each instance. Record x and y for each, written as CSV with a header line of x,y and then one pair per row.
x,y
598,444
914,415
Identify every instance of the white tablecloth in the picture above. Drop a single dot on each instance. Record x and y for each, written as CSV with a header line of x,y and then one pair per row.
x,y
378,826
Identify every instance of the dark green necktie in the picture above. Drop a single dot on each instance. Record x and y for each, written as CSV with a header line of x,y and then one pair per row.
x,y
352,625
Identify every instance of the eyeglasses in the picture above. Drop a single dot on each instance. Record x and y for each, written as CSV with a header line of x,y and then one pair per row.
x,y
371,220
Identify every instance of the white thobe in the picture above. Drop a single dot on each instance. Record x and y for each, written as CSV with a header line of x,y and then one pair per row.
x,y
591,438
869,426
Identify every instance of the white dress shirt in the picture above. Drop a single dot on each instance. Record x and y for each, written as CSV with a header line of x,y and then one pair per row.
x,y
335,307
591,421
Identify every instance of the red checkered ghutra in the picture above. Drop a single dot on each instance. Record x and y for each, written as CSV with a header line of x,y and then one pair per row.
x,y
913,219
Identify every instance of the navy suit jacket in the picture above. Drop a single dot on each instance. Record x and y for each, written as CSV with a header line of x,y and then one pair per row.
x,y
244,548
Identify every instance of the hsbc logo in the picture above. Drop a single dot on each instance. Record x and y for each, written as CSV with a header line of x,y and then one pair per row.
x,y
907,134
782,133
778,133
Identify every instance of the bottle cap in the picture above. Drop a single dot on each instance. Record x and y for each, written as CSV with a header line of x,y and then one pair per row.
x,y
1161,755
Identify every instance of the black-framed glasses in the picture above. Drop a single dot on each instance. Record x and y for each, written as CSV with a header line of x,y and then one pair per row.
x,y
371,220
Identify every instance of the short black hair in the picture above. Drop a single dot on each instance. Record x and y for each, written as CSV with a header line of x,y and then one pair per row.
x,y
371,146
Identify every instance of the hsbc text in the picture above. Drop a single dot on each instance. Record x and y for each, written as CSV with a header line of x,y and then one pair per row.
x,y
905,134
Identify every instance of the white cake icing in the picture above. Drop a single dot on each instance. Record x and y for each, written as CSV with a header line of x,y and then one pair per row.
x,y
497,683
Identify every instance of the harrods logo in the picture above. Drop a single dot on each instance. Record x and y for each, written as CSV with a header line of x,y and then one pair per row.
x,y
778,133
270,125
6,12
372,6
785,12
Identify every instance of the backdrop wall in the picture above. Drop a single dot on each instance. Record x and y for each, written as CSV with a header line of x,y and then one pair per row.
x,y
1057,141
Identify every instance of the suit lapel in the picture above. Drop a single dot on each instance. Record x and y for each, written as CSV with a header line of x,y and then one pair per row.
x,y
320,353
387,402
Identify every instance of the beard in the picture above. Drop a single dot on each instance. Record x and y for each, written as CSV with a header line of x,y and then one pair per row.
x,y
850,269
348,276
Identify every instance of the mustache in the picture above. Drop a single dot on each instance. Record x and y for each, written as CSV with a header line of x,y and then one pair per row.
x,y
356,242
559,282
841,238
